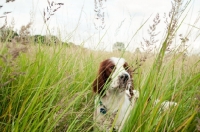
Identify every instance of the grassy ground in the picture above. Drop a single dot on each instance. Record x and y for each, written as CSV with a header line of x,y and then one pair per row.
x,y
48,88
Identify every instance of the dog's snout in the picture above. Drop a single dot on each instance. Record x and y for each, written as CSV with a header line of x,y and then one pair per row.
x,y
124,77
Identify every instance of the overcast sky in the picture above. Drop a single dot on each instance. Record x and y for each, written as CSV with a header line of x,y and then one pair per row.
x,y
74,21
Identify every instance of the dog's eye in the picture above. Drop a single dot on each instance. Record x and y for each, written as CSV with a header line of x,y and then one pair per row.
x,y
126,68
112,67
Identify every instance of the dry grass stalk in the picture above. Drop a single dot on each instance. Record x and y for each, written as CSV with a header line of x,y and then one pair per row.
x,y
24,34
183,47
150,43
51,9
5,14
171,21
99,14
5,22
139,63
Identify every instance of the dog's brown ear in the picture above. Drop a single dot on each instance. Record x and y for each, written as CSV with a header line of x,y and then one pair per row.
x,y
99,82
130,72
129,69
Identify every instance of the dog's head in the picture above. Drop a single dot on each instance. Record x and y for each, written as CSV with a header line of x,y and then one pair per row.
x,y
113,74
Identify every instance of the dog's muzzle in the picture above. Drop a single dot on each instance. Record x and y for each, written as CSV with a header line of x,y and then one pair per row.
x,y
123,79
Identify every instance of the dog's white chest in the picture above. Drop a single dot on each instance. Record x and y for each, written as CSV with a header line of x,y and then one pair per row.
x,y
112,108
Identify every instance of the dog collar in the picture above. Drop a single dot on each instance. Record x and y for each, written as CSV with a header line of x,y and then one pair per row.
x,y
103,109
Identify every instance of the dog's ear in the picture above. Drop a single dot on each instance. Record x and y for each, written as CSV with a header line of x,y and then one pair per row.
x,y
129,69
99,82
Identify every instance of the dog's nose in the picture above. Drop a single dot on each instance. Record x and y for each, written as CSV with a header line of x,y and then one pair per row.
x,y
124,77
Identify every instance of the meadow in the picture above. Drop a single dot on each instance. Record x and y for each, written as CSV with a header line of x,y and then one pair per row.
x,y
46,88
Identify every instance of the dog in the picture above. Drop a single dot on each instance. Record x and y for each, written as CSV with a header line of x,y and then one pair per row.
x,y
116,96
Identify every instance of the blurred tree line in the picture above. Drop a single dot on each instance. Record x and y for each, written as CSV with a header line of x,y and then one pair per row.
x,y
24,37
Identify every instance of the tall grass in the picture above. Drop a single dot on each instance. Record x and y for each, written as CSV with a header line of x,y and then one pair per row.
x,y
48,88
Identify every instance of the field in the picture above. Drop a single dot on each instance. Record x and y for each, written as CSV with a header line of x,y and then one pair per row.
x,y
47,87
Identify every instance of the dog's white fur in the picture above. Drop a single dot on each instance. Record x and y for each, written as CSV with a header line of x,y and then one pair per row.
x,y
118,106
119,70
165,105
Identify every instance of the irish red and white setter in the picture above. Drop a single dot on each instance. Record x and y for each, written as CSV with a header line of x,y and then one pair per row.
x,y
116,96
